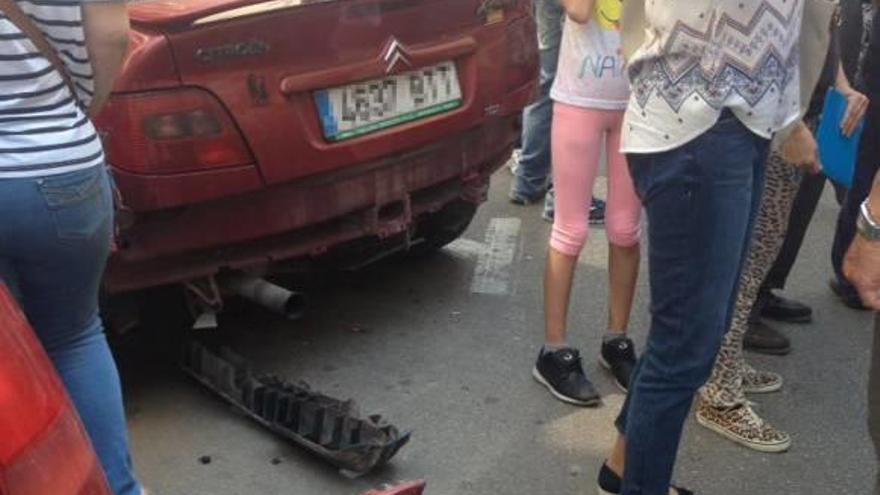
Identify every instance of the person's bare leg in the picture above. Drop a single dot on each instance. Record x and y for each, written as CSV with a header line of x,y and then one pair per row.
x,y
617,460
558,278
623,272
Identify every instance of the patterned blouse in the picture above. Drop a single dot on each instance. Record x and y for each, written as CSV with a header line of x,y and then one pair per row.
x,y
702,56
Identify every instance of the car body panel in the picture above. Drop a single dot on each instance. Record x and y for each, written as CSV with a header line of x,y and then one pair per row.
x,y
263,69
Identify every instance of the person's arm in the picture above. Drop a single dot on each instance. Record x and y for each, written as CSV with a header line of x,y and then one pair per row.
x,y
799,148
106,28
857,104
862,263
580,11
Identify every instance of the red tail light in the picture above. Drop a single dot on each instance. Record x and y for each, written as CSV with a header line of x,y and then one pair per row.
x,y
170,132
43,447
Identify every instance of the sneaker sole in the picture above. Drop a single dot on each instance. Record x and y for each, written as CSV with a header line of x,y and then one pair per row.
x,y
797,319
605,364
540,379
782,351
769,389
760,447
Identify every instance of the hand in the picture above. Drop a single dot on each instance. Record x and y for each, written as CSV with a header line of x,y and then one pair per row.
x,y
801,150
856,107
861,266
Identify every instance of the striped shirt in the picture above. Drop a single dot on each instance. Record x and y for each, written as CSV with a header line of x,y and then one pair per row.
x,y
43,130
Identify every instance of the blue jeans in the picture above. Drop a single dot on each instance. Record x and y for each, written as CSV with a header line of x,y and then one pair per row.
x,y
866,168
54,241
701,200
532,172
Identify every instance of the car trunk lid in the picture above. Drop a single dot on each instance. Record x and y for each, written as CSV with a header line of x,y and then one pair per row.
x,y
268,62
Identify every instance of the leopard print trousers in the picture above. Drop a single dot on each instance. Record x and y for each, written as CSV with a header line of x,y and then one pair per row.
x,y
725,387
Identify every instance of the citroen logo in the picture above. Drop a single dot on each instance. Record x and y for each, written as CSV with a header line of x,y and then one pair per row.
x,y
395,57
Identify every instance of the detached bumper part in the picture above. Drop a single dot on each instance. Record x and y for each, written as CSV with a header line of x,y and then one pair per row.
x,y
329,428
409,488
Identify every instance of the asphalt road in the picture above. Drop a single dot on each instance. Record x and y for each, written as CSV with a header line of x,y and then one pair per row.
x,y
444,346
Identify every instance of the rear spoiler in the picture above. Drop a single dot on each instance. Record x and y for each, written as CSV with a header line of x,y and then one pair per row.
x,y
174,15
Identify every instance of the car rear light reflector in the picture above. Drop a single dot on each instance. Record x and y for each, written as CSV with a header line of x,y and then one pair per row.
x,y
171,132
192,124
59,462
43,447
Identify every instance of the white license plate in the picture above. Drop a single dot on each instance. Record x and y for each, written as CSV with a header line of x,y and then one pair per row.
x,y
362,108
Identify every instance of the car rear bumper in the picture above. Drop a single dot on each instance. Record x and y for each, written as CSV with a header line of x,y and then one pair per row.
x,y
307,218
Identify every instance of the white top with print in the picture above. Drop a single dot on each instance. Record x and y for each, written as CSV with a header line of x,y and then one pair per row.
x,y
591,71
702,56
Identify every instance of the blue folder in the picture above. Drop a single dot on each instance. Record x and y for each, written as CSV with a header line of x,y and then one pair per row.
x,y
837,152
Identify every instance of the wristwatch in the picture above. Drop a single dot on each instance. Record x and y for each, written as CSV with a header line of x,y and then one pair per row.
x,y
868,227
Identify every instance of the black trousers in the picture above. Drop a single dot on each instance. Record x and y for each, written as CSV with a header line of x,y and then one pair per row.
x,y
805,204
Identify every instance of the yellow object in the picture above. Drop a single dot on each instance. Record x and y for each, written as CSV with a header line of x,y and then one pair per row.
x,y
608,14
494,15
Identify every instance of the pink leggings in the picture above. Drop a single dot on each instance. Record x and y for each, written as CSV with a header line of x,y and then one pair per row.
x,y
577,144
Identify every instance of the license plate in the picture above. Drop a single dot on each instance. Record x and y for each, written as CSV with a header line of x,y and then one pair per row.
x,y
362,108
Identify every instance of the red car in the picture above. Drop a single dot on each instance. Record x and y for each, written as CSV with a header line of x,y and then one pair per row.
x,y
246,133
43,447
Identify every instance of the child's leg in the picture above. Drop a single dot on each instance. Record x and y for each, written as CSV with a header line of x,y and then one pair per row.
x,y
576,142
623,224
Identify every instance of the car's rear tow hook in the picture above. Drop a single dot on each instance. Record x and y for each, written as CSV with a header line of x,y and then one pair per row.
x,y
275,298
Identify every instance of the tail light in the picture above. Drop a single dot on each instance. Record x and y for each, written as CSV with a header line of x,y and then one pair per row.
x,y
170,132
43,447
522,53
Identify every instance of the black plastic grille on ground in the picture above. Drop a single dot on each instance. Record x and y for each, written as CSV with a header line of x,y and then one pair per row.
x,y
328,427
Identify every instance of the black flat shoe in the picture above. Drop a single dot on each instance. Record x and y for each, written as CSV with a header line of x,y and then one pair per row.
x,y
764,339
786,310
611,484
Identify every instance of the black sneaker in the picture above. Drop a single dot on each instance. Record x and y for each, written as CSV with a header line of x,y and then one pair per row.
x,y
764,339
619,357
611,484
562,372
597,212
780,308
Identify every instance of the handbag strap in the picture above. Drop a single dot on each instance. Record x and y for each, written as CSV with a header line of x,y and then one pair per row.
x,y
24,23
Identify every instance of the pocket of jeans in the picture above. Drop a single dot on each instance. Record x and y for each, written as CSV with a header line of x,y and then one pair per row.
x,y
79,202
640,171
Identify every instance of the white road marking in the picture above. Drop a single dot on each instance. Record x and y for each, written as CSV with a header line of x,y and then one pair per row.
x,y
492,274
466,248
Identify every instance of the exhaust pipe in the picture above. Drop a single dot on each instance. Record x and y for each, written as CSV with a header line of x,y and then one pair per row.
x,y
290,304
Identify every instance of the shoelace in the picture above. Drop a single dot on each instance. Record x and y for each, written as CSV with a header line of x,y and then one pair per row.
x,y
751,416
571,362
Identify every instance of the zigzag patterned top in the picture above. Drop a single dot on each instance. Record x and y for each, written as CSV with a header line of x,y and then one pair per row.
x,y
702,56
